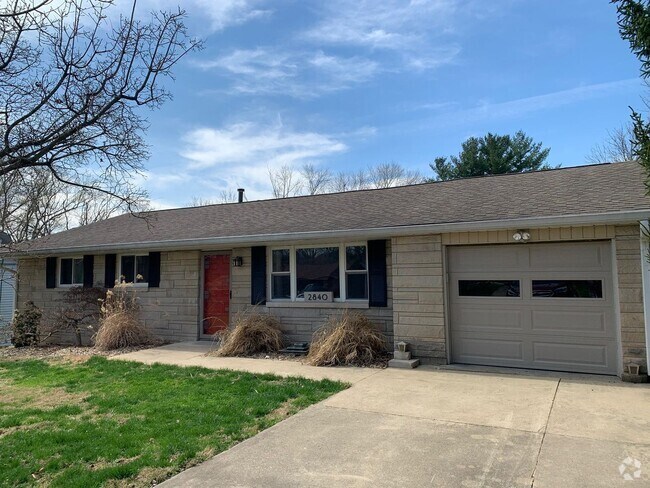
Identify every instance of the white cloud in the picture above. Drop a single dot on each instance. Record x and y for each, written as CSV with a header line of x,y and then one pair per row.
x,y
432,59
163,180
513,109
246,143
305,75
224,13
524,106
218,14
389,24
157,204
413,35
240,155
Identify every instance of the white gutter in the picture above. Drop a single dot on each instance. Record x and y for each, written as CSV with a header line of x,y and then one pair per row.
x,y
645,278
624,217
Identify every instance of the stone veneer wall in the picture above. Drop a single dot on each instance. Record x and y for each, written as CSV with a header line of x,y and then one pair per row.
x,y
171,311
630,295
418,298
298,321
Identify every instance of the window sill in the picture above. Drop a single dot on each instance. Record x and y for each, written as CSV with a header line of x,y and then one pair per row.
x,y
134,285
340,305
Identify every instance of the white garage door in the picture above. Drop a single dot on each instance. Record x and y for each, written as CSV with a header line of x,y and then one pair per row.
x,y
543,306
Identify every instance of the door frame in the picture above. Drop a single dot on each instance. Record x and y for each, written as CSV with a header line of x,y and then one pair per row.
x,y
200,334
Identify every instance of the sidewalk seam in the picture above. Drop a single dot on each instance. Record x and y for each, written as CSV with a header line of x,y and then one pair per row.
x,y
541,444
444,421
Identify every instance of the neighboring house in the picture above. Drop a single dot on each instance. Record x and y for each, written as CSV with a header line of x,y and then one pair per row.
x,y
7,297
536,270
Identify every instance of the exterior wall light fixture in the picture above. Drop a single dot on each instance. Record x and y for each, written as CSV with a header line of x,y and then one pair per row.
x,y
521,236
237,261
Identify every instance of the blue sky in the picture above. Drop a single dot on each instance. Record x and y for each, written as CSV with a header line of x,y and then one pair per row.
x,y
351,83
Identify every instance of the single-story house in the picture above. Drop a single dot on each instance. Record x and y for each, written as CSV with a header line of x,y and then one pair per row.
x,y
544,270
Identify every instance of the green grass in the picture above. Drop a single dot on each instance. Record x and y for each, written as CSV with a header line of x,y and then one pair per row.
x,y
119,423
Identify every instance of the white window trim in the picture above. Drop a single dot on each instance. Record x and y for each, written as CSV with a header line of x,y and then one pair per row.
x,y
343,272
58,272
142,284
346,272
292,278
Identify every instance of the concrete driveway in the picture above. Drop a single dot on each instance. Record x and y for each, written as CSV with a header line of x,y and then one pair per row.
x,y
450,428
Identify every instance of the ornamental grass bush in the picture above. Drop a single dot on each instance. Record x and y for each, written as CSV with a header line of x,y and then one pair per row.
x,y
119,324
349,339
253,333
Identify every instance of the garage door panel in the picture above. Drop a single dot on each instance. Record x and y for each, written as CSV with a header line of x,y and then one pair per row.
x,y
570,327
488,318
567,321
502,259
594,358
474,349
585,256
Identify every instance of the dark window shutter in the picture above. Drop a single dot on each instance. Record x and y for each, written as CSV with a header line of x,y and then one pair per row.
x,y
110,261
89,264
154,270
377,284
258,275
50,273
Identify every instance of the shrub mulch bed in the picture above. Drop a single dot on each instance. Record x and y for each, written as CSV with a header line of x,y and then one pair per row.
x,y
380,362
9,353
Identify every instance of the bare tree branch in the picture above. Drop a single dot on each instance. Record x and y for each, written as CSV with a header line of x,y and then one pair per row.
x,y
71,81
284,182
316,180
617,147
386,175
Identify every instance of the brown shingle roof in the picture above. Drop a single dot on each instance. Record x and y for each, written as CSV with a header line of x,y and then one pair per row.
x,y
582,190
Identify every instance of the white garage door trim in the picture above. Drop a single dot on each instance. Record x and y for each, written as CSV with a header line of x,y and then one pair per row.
x,y
525,331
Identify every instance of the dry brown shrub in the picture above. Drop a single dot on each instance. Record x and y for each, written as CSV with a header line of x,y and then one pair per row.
x,y
120,325
253,333
349,339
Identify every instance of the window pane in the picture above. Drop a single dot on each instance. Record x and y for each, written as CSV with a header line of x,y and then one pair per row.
x,y
78,272
127,269
568,288
488,288
281,286
357,286
317,269
141,269
281,260
355,258
66,272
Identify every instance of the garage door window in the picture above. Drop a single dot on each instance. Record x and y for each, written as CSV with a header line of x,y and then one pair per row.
x,y
488,288
568,288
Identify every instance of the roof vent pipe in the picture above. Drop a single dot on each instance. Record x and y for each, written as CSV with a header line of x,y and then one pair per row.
x,y
241,195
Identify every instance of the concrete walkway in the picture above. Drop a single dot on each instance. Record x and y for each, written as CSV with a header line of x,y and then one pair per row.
x,y
443,428
194,354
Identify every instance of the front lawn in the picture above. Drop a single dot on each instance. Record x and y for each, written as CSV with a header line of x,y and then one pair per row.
x,y
118,423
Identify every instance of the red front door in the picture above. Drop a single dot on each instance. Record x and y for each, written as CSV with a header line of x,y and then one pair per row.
x,y
216,293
